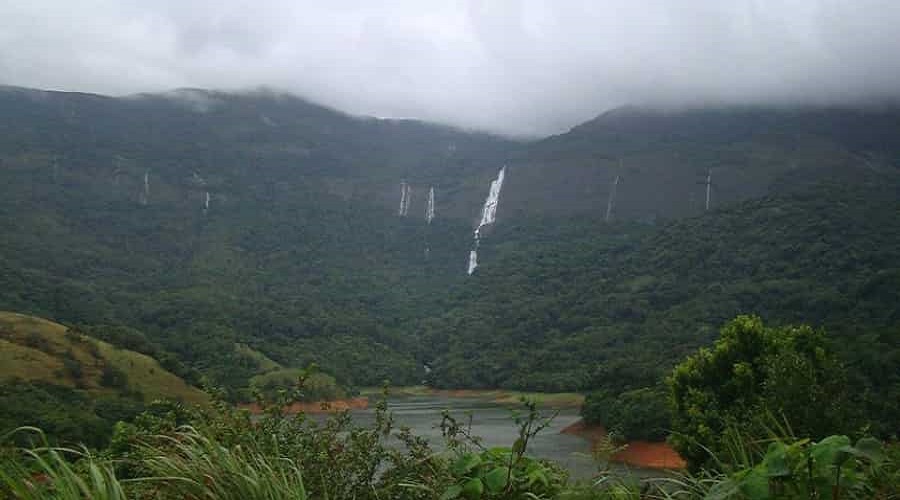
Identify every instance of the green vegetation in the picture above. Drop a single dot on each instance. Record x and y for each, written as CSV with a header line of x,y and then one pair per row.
x,y
174,453
67,415
44,352
829,468
220,453
753,371
316,386
75,387
595,307
301,258
171,451
638,414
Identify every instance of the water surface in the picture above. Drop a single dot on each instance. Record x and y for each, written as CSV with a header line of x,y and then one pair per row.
x,y
493,423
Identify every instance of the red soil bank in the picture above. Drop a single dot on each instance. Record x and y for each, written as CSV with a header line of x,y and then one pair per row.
x,y
318,406
638,453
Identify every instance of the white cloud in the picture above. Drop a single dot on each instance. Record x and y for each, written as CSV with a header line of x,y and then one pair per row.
x,y
525,66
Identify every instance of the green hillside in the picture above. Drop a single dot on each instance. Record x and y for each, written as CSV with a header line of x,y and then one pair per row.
x,y
37,350
301,256
578,304
74,386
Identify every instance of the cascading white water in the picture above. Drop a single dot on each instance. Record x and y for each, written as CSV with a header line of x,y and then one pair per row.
x,y
489,212
488,216
145,195
429,206
206,201
405,191
473,261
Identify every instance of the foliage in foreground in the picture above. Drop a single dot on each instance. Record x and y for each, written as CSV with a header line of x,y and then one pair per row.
x,y
221,453
497,473
753,371
830,468
195,466
220,456
725,394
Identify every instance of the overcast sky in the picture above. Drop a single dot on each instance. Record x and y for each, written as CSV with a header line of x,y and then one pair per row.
x,y
519,67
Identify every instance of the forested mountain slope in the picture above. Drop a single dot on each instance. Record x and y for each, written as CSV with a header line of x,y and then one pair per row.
x,y
662,158
206,221
581,304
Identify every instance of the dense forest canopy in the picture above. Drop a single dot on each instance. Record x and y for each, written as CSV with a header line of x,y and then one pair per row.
x,y
230,236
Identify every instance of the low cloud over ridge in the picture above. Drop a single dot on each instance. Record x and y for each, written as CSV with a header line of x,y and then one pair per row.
x,y
516,67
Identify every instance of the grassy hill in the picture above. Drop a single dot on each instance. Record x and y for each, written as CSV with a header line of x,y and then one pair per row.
x,y
75,386
37,350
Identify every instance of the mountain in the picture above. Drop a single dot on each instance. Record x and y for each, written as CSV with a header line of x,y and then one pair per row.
x,y
234,218
235,145
662,159
579,295
214,225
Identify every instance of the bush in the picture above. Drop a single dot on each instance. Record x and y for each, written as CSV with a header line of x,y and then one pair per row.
x,y
754,376
639,414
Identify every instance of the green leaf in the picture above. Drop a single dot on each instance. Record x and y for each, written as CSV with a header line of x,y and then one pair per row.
x,y
473,488
723,490
868,448
827,452
465,464
498,454
775,461
538,475
496,479
755,485
452,492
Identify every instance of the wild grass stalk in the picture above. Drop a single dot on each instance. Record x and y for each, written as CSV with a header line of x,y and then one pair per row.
x,y
190,465
57,473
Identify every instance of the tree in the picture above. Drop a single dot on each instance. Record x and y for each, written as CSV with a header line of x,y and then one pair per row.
x,y
751,374
631,414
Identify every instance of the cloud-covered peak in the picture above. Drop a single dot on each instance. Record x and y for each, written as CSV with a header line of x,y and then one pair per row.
x,y
518,67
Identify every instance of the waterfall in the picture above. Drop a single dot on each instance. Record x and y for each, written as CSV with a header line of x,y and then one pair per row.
x,y
405,195
145,195
611,200
473,260
429,206
488,216
206,201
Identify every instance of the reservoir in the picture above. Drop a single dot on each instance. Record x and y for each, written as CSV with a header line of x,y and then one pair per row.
x,y
494,424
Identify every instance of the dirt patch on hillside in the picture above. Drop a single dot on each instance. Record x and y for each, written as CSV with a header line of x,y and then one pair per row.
x,y
335,406
644,454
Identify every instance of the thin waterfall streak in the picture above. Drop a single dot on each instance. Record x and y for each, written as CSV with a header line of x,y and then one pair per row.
x,y
429,206
405,192
488,216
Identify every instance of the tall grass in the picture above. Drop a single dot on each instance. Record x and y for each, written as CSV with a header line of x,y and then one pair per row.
x,y
190,465
184,465
46,472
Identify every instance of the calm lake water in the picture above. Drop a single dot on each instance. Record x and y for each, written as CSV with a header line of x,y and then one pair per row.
x,y
493,423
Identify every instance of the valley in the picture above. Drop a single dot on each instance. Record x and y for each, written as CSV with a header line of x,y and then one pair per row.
x,y
238,242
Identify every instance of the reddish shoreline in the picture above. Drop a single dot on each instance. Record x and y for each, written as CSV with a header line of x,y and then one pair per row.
x,y
338,405
643,454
